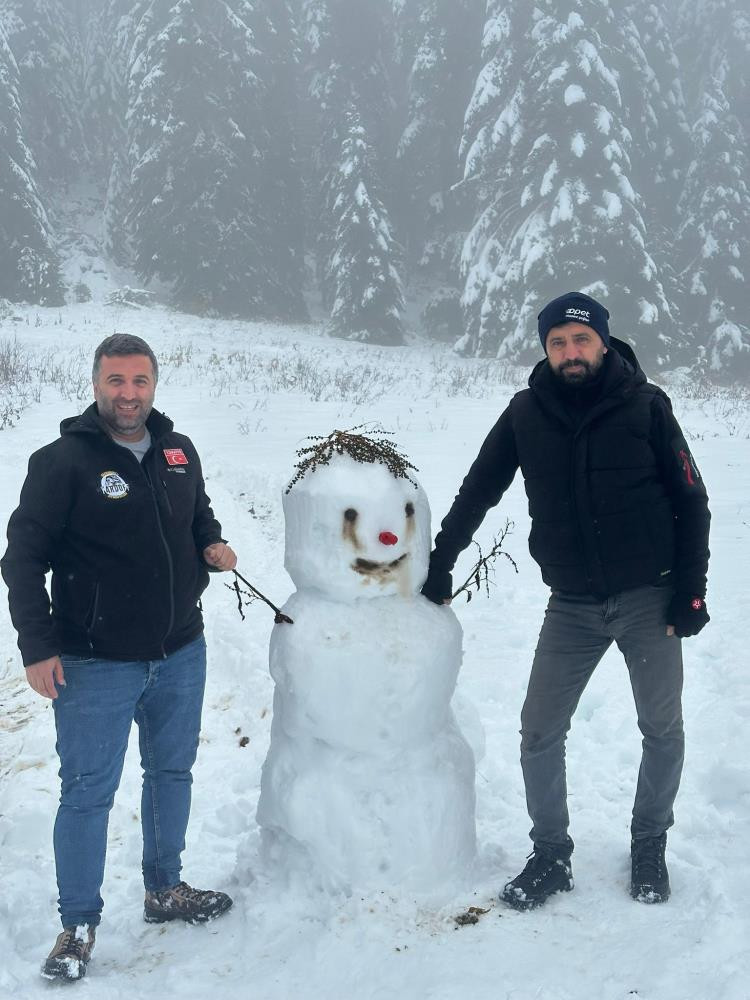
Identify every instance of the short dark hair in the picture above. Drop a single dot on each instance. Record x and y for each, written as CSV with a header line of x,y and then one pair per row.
x,y
119,345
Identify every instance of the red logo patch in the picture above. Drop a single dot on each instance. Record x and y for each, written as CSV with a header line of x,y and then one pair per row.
x,y
687,468
696,604
175,456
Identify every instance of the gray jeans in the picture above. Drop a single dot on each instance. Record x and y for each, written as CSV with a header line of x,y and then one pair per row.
x,y
576,633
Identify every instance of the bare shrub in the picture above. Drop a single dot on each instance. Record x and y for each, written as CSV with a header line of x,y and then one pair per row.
x,y
25,372
724,408
15,381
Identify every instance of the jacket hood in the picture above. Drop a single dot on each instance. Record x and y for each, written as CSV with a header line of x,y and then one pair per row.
x,y
89,422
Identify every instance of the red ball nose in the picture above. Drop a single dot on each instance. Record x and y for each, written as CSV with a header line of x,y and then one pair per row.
x,y
388,538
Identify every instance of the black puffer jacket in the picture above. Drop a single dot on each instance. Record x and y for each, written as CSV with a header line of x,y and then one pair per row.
x,y
123,539
615,498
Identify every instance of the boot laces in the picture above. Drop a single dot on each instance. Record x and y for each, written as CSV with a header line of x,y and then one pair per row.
x,y
538,861
187,892
535,861
74,944
649,859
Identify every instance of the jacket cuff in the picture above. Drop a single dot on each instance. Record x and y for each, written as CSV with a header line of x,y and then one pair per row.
x,y
35,650
202,543
438,586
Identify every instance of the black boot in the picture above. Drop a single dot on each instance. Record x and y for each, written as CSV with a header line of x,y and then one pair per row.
x,y
544,875
649,880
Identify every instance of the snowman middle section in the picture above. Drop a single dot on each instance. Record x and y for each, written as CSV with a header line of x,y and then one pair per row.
x,y
368,779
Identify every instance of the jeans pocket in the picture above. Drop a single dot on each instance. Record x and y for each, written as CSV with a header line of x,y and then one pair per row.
x,y
73,658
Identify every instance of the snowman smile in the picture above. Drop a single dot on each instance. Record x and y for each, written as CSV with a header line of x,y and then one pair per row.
x,y
367,567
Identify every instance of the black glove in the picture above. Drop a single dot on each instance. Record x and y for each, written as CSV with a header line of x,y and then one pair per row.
x,y
687,614
438,586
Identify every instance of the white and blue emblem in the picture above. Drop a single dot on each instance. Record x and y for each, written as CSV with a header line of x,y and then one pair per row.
x,y
113,486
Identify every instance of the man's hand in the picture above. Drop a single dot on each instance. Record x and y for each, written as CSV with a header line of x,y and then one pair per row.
x,y
686,615
438,587
220,556
42,676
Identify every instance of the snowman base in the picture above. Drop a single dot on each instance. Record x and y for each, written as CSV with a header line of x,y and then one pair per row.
x,y
369,782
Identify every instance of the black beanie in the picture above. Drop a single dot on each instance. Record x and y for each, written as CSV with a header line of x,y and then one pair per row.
x,y
573,307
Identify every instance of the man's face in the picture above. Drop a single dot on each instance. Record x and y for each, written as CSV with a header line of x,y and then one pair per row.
x,y
124,392
575,352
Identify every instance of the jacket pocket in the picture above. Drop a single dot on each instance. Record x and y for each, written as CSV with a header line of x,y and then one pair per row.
x,y
74,597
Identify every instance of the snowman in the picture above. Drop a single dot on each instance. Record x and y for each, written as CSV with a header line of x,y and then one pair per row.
x,y
368,781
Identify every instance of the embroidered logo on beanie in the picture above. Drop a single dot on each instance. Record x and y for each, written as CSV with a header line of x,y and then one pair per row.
x,y
583,315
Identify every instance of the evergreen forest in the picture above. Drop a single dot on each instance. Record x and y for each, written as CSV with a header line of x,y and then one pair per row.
x,y
398,168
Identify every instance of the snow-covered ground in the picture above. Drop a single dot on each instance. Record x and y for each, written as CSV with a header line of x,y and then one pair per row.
x,y
248,395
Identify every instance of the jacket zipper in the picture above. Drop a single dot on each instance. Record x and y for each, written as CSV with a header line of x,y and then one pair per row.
x,y
578,443
166,497
170,563
92,616
574,500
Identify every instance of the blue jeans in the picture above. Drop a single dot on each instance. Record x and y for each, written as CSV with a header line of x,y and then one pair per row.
x,y
576,633
94,713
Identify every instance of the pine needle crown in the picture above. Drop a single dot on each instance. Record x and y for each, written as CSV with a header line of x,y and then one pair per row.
x,y
374,449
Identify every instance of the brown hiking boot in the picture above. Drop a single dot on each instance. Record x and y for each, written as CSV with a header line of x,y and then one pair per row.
x,y
71,954
182,902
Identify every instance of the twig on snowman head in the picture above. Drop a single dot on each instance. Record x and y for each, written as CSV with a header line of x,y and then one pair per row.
x,y
480,573
360,447
254,595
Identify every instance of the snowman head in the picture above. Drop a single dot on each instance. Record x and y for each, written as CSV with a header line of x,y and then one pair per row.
x,y
356,530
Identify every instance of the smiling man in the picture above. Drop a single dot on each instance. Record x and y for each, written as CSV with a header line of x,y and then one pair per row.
x,y
116,508
619,527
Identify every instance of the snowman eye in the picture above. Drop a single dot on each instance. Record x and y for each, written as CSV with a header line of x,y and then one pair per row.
x,y
410,510
350,514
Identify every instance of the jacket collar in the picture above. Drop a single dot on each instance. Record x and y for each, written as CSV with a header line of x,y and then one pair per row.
x,y
89,422
621,378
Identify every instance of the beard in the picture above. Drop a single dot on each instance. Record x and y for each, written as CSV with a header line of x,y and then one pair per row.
x,y
125,424
579,373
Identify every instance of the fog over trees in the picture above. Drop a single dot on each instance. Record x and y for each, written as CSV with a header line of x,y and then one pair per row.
x,y
438,166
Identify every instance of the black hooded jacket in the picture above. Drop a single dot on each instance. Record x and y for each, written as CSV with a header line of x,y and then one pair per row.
x,y
124,541
615,498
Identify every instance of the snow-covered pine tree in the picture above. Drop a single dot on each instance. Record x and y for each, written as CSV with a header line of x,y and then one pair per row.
x,y
109,32
44,40
438,48
114,29
197,140
325,95
273,25
346,60
28,264
548,151
714,239
655,115
352,67
492,131
653,109
361,284
713,41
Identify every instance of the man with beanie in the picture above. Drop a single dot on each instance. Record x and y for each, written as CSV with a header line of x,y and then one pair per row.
x,y
619,527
